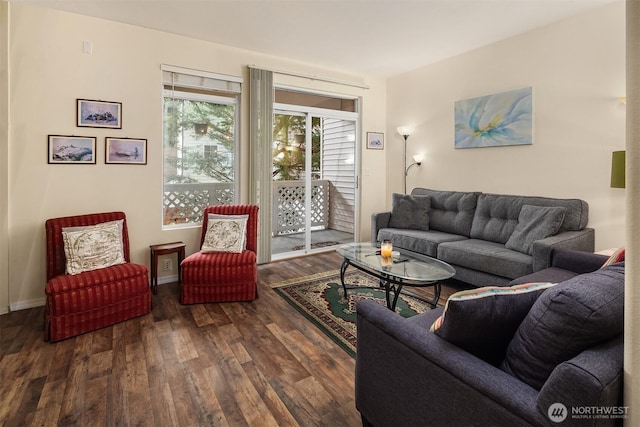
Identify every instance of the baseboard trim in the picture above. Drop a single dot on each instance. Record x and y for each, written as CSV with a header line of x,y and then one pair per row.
x,y
23,305
167,279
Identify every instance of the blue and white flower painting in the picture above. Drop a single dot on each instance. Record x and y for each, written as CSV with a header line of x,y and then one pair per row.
x,y
495,120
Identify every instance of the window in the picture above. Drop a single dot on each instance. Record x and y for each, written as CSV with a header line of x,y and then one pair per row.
x,y
199,144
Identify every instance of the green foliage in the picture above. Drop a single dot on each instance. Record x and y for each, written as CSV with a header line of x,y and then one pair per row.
x,y
289,150
183,162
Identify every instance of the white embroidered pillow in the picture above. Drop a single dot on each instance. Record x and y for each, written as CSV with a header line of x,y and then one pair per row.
x,y
225,235
222,216
93,247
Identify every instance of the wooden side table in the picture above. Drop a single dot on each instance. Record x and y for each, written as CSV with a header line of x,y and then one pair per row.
x,y
164,249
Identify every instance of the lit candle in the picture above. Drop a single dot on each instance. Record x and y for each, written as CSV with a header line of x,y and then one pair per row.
x,y
386,249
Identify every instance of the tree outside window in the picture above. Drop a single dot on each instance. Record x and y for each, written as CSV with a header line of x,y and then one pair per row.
x,y
289,148
199,148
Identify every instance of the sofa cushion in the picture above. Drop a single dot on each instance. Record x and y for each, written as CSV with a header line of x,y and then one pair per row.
x,y
89,290
593,378
495,219
424,242
410,212
565,320
535,223
489,257
551,274
483,321
496,215
451,211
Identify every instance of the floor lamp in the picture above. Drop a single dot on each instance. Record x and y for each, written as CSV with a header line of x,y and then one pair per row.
x,y
405,131
417,161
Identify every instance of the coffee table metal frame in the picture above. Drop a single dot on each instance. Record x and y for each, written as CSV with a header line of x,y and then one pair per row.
x,y
428,271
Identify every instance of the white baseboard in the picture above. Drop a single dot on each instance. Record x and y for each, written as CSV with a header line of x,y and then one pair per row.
x,y
167,279
23,305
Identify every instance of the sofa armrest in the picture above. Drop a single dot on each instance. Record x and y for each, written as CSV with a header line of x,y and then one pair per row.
x,y
583,240
406,375
577,261
379,220
593,378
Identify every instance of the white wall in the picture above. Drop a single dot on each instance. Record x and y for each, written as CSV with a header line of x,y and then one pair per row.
x,y
577,70
49,71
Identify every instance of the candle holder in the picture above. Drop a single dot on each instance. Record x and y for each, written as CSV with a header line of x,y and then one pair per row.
x,y
386,262
386,249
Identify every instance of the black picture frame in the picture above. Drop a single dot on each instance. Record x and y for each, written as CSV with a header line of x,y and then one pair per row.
x,y
98,114
125,151
71,150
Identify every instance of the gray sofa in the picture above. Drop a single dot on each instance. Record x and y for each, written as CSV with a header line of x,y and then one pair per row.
x,y
474,232
562,357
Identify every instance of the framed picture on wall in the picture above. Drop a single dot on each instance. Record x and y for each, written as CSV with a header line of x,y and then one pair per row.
x,y
375,140
127,151
74,150
99,114
496,120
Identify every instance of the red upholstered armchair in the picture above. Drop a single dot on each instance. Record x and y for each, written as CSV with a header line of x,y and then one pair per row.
x,y
94,299
223,276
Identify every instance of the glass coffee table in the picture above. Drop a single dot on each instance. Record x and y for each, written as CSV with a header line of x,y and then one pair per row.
x,y
409,269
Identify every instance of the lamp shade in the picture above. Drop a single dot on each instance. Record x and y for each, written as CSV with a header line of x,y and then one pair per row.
x,y
405,130
617,169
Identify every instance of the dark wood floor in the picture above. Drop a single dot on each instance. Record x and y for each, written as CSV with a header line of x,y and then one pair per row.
x,y
237,364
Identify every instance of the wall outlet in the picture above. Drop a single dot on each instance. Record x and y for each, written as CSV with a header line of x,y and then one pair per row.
x,y
166,265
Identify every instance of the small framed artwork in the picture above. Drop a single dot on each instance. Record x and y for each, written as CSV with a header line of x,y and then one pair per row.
x,y
127,151
375,140
99,114
73,150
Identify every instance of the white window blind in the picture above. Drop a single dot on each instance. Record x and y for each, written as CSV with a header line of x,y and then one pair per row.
x,y
197,79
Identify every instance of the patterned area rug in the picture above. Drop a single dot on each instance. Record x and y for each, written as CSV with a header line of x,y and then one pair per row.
x,y
321,299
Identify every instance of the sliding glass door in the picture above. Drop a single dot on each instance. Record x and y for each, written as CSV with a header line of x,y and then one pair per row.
x,y
314,179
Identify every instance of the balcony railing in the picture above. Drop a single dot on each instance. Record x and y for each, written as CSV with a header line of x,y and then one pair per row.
x,y
185,203
288,206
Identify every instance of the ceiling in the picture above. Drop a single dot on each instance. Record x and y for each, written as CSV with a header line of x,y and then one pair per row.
x,y
371,37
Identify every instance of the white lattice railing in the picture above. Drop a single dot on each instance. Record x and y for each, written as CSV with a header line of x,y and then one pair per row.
x,y
185,203
288,207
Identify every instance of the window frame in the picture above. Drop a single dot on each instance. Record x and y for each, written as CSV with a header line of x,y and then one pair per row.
x,y
215,96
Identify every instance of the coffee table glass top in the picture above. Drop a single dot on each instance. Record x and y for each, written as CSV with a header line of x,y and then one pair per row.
x,y
410,266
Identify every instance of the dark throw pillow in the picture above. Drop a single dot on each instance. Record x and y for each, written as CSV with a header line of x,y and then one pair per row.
x,y
564,321
535,223
483,321
411,212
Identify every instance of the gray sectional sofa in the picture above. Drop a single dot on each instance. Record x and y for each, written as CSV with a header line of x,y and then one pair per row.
x,y
490,239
